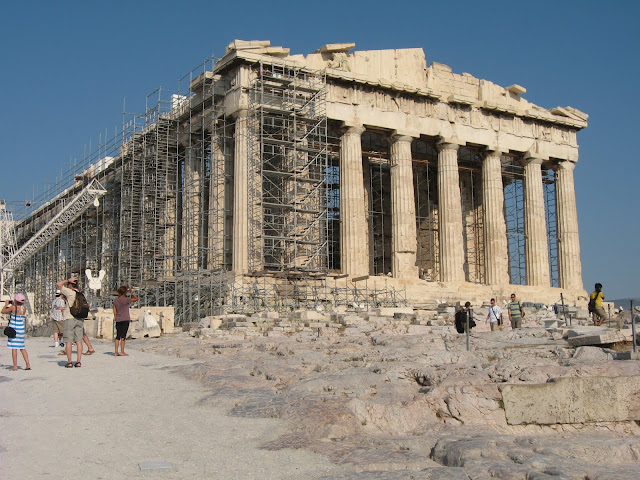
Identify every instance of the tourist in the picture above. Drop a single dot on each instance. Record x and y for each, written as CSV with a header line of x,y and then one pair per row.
x,y
17,321
73,326
57,317
516,312
122,317
494,317
595,305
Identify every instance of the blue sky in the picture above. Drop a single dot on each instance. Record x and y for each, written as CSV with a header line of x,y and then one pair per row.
x,y
68,65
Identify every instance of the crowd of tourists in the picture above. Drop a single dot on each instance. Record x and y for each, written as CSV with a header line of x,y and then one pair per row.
x,y
69,310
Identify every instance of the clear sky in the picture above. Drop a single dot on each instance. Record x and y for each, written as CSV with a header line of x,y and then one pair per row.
x,y
68,65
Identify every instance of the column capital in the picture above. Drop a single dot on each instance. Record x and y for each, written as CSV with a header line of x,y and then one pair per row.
x,y
242,113
449,144
404,135
566,165
356,128
533,160
493,152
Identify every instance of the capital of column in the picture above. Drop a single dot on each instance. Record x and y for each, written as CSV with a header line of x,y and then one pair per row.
x,y
533,160
448,144
566,165
243,113
492,153
351,128
404,135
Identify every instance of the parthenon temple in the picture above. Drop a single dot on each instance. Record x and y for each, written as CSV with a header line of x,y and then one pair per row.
x,y
336,176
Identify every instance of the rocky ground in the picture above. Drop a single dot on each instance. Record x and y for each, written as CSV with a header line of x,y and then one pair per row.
x,y
391,398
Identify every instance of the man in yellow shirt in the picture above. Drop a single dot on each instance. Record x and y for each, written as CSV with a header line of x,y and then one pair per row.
x,y
595,305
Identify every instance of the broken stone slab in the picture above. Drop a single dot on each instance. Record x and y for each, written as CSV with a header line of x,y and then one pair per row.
x,y
391,311
602,338
628,356
153,332
573,400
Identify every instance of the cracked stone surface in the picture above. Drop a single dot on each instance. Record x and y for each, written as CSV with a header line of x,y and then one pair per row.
x,y
394,401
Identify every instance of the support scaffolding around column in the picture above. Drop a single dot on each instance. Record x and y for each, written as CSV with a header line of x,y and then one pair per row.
x,y
425,177
470,165
288,169
513,179
549,189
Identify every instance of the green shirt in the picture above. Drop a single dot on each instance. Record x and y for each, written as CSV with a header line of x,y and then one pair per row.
x,y
514,309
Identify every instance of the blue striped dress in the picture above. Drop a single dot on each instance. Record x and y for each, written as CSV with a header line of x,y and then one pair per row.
x,y
19,323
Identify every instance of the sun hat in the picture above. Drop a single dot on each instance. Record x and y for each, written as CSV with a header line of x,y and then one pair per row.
x,y
19,298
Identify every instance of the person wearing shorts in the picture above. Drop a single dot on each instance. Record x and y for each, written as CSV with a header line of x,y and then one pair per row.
x,y
57,317
122,317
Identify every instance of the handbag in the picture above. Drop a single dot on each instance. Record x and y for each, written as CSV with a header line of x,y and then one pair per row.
x,y
10,332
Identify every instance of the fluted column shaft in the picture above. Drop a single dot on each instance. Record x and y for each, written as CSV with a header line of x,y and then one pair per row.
x,y
450,214
404,240
568,238
217,204
353,216
537,253
495,229
191,208
240,262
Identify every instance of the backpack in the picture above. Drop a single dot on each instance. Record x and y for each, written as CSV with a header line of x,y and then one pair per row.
x,y
80,307
592,303
461,319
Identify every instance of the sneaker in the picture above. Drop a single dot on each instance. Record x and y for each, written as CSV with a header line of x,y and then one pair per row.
x,y
61,344
57,345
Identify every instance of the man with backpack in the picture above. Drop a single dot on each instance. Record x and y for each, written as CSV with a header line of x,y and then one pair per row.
x,y
595,305
75,314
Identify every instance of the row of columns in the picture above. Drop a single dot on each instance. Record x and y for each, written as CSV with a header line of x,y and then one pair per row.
x,y
354,225
354,254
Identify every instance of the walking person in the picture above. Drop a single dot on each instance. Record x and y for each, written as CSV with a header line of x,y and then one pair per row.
x,y
494,316
515,311
57,317
17,321
122,317
595,305
73,324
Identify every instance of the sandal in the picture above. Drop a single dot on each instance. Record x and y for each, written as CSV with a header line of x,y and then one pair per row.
x,y
78,365
90,352
68,365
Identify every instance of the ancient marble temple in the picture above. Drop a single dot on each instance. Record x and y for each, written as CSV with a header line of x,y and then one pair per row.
x,y
441,180
336,168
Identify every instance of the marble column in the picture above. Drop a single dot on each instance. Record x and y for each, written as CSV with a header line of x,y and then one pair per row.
x,y
191,207
404,239
353,216
568,238
240,259
217,199
495,228
535,225
450,214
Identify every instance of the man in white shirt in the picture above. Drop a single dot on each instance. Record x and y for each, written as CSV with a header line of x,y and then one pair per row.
x,y
495,315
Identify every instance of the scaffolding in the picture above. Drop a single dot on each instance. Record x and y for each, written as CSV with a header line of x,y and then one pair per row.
x,y
288,169
549,189
513,181
470,171
425,177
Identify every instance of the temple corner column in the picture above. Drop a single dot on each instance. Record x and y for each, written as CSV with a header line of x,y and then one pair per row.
x,y
570,266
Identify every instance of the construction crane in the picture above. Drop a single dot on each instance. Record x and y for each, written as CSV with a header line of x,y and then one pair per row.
x,y
11,259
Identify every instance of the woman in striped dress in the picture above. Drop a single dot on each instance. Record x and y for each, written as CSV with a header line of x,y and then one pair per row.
x,y
17,321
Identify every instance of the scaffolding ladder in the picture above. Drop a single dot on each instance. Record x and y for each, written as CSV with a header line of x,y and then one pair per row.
x,y
70,211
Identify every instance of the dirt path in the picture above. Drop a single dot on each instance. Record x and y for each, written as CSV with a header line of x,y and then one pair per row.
x,y
104,420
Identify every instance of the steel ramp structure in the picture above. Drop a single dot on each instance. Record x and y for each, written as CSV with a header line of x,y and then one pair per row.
x,y
72,210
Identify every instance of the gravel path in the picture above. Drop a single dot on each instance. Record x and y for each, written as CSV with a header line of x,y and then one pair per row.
x,y
126,417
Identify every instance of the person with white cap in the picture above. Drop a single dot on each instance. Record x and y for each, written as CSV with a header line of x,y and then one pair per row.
x,y
18,322
57,316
